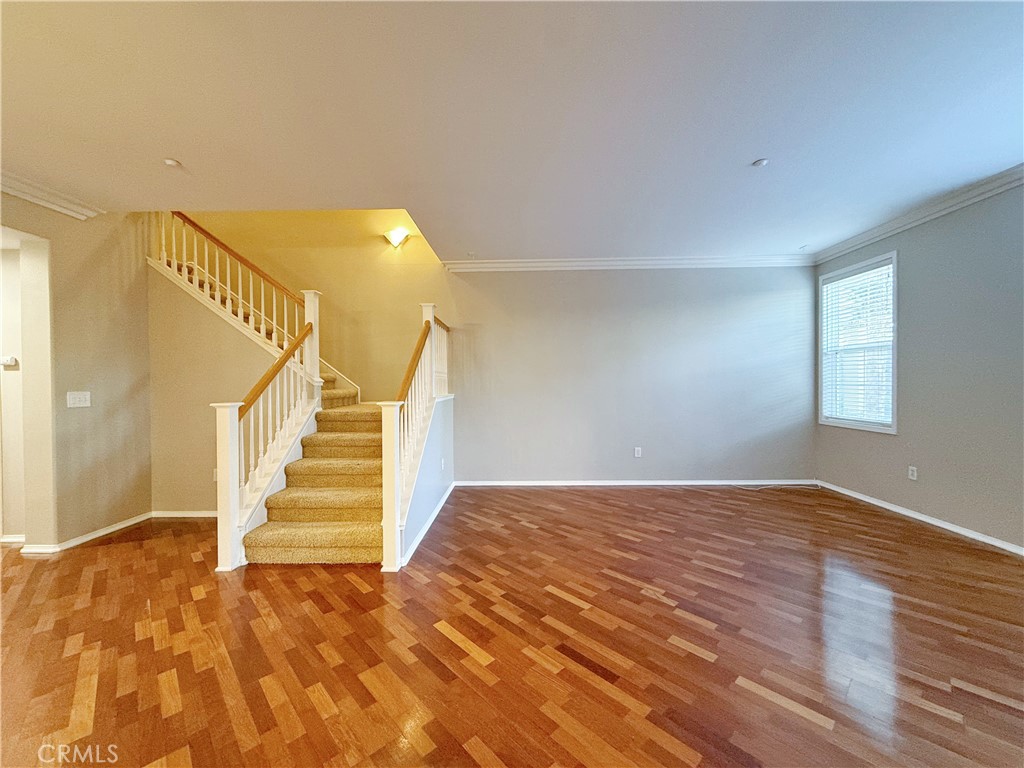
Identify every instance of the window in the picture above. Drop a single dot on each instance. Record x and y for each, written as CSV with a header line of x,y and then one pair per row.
x,y
857,363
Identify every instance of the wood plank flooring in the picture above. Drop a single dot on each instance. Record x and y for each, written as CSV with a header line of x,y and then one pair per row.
x,y
534,627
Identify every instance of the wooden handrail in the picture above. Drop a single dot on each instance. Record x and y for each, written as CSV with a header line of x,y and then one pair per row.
x,y
442,323
264,382
235,254
411,370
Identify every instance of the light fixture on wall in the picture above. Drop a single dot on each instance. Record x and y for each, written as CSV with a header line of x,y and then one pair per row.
x,y
397,236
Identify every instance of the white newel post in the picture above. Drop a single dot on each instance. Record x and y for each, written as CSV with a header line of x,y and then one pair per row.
x,y
311,356
429,313
392,476
229,539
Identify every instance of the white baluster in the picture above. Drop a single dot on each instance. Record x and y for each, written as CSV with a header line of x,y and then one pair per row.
x,y
216,276
263,307
163,239
273,322
206,266
252,306
174,247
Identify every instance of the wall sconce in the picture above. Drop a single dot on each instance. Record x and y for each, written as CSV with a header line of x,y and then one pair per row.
x,y
397,236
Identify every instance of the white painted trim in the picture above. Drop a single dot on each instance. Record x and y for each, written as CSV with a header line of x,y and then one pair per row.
x,y
933,209
50,549
953,528
430,521
563,265
40,549
47,197
12,539
545,483
187,513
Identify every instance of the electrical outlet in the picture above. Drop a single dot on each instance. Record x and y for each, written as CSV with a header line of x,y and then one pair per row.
x,y
215,474
637,452
912,473
79,399
442,463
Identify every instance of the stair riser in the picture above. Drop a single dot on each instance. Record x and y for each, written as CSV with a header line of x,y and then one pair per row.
x,y
348,426
337,401
366,497
334,481
342,452
358,515
324,555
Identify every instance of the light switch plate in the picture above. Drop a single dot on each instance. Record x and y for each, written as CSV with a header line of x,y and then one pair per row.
x,y
79,399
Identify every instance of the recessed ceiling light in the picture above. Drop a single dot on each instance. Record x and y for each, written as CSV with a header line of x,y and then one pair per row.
x,y
397,236
170,162
761,163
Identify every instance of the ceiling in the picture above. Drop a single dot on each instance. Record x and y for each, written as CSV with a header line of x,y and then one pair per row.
x,y
535,131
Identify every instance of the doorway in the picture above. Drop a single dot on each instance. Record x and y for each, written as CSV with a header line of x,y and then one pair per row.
x,y
27,497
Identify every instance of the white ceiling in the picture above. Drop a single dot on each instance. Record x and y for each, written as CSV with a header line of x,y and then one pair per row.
x,y
527,131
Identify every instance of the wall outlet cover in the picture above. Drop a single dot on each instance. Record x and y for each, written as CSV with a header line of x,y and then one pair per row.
x,y
79,399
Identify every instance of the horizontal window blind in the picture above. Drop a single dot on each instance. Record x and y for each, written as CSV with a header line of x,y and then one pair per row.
x,y
857,346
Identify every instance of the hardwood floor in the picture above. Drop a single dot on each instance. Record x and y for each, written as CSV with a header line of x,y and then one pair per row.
x,y
596,626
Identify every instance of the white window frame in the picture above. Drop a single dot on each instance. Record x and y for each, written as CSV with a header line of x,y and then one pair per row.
x,y
861,266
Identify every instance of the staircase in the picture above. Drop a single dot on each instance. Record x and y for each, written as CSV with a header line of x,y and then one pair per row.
x,y
306,473
330,510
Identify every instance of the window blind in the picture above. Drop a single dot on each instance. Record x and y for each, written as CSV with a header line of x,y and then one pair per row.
x,y
857,329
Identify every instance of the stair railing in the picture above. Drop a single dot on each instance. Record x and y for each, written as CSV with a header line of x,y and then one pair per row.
x,y
403,424
254,435
213,269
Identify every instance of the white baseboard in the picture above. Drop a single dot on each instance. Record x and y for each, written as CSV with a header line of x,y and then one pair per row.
x,y
430,521
12,539
967,532
528,483
52,549
184,513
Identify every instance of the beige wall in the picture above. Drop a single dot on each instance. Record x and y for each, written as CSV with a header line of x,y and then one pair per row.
x,y
960,416
370,314
196,358
558,375
98,313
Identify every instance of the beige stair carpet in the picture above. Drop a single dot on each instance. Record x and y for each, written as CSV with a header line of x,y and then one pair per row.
x,y
330,510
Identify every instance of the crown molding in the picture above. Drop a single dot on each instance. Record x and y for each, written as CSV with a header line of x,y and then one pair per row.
x,y
933,209
46,197
567,265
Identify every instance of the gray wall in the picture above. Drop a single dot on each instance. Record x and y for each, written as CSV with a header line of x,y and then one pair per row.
x,y
558,375
960,413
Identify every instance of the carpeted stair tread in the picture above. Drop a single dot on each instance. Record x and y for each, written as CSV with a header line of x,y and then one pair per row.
x,y
335,398
325,515
326,498
357,412
334,467
333,473
315,542
364,417
336,439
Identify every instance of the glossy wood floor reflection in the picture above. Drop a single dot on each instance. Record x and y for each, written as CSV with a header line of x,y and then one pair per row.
x,y
597,626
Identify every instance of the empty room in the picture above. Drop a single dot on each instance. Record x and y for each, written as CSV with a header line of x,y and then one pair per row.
x,y
516,384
